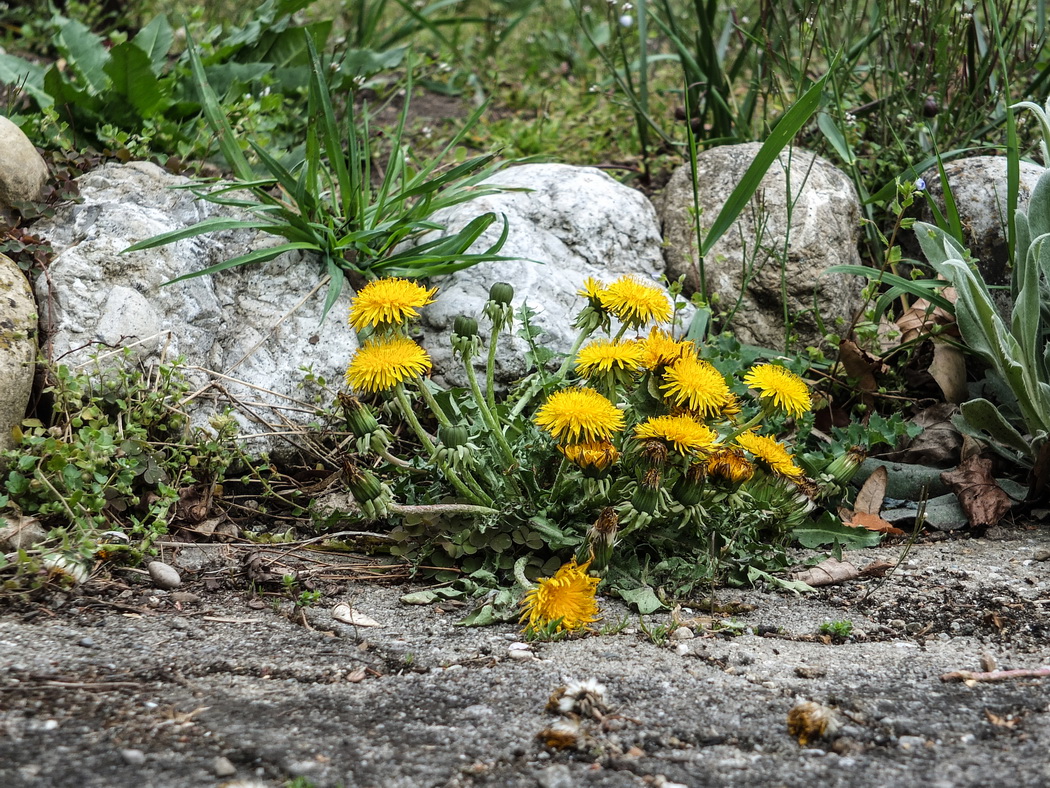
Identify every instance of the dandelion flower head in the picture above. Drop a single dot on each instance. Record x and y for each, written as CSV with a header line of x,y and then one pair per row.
x,y
784,388
684,433
567,598
380,365
731,464
592,290
603,356
388,302
575,415
659,349
591,454
696,385
770,453
636,303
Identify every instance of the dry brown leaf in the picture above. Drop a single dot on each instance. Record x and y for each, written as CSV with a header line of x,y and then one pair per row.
x,y
948,369
876,569
861,366
939,442
869,499
918,320
346,614
984,501
872,522
828,572
1001,722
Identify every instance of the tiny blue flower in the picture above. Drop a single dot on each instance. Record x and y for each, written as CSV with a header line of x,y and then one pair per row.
x,y
920,185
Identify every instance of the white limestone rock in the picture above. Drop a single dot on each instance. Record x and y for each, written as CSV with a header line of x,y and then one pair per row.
x,y
18,329
23,173
244,333
745,263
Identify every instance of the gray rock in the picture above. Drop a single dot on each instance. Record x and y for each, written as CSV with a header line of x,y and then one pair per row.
x,y
825,220
163,576
978,185
244,333
223,767
571,224
133,757
23,173
18,326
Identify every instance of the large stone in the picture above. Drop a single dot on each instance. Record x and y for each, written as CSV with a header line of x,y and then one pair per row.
x,y
23,173
244,333
765,265
572,223
978,186
18,326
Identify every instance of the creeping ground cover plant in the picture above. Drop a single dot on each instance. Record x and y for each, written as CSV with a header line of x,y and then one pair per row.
x,y
636,462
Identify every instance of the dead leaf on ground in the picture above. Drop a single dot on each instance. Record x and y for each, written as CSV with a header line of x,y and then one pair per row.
x,y
919,319
355,618
948,369
860,366
869,499
939,443
872,522
1001,722
828,572
984,501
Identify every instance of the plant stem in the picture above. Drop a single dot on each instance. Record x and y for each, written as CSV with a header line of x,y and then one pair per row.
x,y
432,403
488,417
478,496
490,367
534,388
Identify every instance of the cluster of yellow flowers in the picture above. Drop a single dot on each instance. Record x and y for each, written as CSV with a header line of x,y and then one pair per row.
x,y
691,429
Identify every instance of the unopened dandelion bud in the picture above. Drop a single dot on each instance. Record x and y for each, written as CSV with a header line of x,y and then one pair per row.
x,y
601,538
465,326
844,467
359,417
647,494
363,484
453,435
501,293
689,488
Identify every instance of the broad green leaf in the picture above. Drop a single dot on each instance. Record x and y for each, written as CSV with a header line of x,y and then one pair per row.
x,y
835,137
85,52
17,72
643,599
985,417
227,78
825,531
133,80
155,39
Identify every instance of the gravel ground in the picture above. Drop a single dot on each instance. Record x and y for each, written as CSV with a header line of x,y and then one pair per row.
x,y
122,684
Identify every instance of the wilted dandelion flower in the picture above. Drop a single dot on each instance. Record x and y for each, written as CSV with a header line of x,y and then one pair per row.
x,y
592,290
730,464
388,302
695,384
604,356
636,303
591,454
659,349
685,434
576,415
382,364
566,598
784,388
771,454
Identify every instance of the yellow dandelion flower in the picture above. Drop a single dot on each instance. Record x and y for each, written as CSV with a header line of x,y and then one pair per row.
x,y
635,302
732,407
381,365
785,389
598,455
388,302
576,415
730,464
603,356
567,598
695,384
770,453
659,349
592,290
684,433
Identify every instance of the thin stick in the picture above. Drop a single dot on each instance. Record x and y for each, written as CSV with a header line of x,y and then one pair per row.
x,y
996,675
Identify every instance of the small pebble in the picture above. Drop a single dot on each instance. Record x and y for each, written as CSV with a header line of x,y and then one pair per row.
x,y
911,742
163,576
810,671
185,598
133,757
86,643
223,767
683,633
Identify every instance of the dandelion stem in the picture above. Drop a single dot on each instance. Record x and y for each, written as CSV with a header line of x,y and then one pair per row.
x,y
537,383
490,367
432,403
488,417
752,422
477,497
